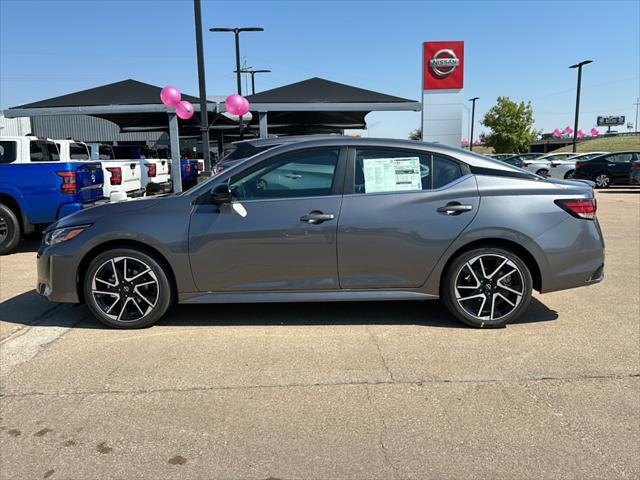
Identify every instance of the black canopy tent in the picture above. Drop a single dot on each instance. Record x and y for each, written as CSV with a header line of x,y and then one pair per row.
x,y
311,106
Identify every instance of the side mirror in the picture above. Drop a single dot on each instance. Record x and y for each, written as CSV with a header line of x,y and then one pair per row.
x,y
221,194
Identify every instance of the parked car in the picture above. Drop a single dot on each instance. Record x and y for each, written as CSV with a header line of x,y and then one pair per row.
x,y
607,170
500,156
156,173
124,178
244,149
541,164
634,174
564,169
37,187
518,160
333,220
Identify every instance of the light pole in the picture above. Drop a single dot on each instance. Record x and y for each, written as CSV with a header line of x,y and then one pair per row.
x,y
236,31
473,114
253,77
575,123
637,104
204,114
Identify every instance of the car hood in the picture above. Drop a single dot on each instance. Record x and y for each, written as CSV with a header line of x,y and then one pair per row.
x,y
92,214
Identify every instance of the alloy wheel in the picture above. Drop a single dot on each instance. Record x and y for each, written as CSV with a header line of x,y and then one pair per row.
x,y
125,289
543,172
602,180
489,287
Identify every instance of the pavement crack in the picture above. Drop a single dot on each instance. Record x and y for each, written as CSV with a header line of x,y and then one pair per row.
x,y
374,339
418,383
382,435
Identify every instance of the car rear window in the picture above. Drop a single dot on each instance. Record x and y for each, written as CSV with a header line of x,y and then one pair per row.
x,y
78,151
43,151
8,151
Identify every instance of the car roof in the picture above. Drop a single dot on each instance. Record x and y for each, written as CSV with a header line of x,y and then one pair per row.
x,y
263,142
466,156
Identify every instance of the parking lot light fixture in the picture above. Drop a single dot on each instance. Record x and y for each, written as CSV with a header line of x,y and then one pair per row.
x,y
236,31
575,123
473,114
253,72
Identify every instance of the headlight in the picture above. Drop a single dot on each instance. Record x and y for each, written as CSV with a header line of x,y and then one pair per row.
x,y
60,235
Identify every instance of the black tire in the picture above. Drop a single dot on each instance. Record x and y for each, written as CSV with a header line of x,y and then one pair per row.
x,y
603,180
9,230
543,172
130,304
569,174
465,272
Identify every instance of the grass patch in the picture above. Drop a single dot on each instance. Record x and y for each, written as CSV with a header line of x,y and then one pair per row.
x,y
606,144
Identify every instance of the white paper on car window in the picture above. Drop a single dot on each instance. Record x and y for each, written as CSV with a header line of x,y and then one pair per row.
x,y
391,174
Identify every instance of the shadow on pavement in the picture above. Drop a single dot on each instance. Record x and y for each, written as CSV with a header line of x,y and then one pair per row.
x,y
619,190
30,244
29,309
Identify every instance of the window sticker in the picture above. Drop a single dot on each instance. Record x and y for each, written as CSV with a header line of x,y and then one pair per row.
x,y
391,174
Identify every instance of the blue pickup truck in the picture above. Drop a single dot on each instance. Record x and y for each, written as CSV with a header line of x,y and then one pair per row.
x,y
37,188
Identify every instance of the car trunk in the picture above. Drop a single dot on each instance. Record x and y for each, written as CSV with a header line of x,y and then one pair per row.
x,y
89,181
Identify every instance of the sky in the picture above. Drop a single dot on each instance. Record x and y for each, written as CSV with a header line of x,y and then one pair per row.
x,y
521,50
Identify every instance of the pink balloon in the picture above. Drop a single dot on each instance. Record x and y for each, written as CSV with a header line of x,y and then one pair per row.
x,y
170,96
581,134
236,104
557,133
595,132
184,110
568,130
464,142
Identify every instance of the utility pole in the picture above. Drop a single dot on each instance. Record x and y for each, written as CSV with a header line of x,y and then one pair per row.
x,y
637,104
473,114
204,114
236,31
253,72
575,123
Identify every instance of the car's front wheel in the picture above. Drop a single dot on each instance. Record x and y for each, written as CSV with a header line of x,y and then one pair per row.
x,y
543,172
487,287
569,174
127,288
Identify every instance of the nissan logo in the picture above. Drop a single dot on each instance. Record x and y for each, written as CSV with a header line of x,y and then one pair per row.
x,y
93,178
444,63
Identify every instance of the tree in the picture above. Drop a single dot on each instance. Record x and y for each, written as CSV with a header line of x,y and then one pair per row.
x,y
511,126
416,134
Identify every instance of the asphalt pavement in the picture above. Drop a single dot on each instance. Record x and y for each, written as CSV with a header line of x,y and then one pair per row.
x,y
392,390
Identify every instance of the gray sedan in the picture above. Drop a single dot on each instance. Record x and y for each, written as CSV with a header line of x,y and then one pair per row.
x,y
336,219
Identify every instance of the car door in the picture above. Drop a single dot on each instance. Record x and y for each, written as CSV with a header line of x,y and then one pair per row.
x,y
400,212
280,233
620,166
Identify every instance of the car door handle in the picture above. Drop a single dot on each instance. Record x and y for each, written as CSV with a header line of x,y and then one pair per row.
x,y
316,217
454,208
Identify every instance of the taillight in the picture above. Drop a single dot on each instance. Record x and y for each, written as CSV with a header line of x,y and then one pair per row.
x,y
525,164
580,164
187,167
635,166
151,169
584,208
116,175
69,186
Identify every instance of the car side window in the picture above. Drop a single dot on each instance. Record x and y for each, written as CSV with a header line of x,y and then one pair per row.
x,y
308,173
43,151
622,158
388,170
8,151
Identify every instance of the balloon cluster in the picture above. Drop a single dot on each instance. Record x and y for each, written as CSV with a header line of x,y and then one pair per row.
x,y
568,131
464,142
478,143
171,97
237,105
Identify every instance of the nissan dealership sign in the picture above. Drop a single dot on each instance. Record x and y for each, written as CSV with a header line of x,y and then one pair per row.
x,y
442,82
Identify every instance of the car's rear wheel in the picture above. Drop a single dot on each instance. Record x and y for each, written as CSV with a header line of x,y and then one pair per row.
x,y
127,288
9,230
543,172
602,179
569,174
487,287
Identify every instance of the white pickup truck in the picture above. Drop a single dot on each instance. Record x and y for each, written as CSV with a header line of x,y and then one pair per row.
x,y
122,179
156,173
